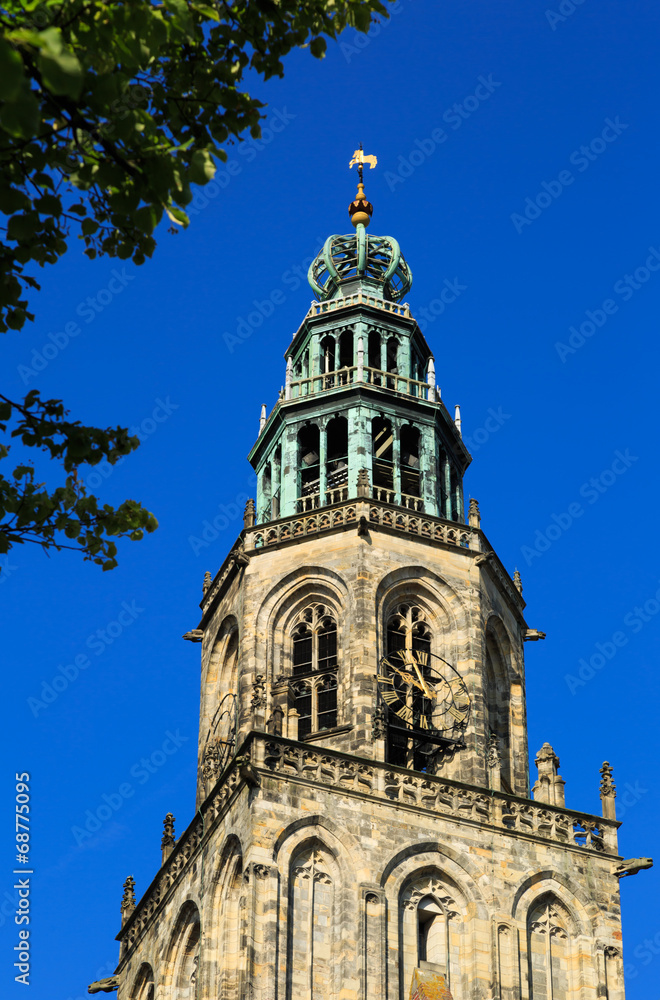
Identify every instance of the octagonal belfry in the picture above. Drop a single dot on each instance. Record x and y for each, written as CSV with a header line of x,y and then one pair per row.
x,y
365,825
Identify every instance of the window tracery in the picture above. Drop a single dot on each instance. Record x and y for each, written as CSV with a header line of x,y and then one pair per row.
x,y
548,950
314,669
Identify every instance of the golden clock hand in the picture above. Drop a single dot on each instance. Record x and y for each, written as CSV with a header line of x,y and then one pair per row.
x,y
424,685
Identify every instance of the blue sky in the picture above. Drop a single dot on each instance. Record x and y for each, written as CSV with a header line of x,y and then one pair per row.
x,y
555,331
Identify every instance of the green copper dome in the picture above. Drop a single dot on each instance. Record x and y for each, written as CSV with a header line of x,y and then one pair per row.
x,y
345,261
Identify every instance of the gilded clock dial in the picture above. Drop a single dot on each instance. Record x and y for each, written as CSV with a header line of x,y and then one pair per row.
x,y
424,692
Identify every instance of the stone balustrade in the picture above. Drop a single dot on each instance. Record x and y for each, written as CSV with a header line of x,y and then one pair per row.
x,y
388,515
358,298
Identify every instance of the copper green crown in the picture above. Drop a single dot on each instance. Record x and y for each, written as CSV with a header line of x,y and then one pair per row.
x,y
374,261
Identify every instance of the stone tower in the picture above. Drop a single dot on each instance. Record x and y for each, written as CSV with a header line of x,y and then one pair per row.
x,y
364,824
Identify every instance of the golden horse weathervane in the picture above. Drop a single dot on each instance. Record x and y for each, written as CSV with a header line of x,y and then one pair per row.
x,y
360,158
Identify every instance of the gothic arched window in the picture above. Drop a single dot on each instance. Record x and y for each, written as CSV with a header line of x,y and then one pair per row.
x,y
429,926
548,947
313,940
314,668
408,630
383,459
410,468
308,468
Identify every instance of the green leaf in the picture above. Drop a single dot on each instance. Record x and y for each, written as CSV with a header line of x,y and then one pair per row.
x,y
61,73
12,77
202,167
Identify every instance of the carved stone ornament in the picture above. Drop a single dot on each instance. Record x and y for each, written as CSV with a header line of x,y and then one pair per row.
x,y
517,582
107,985
249,515
169,839
378,725
195,635
211,761
258,692
128,899
548,923
313,869
429,885
493,758
607,787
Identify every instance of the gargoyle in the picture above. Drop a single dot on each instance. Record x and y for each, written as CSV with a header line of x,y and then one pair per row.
x,y
632,865
533,635
104,985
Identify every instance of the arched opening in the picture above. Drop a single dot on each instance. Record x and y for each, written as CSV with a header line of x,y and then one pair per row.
x,y
184,954
392,361
308,468
431,932
327,360
276,484
143,988
548,950
496,706
313,938
266,493
314,662
346,357
410,468
382,459
430,928
337,461
374,357
444,484
408,631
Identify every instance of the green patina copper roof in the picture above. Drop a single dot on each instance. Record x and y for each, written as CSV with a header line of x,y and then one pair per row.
x,y
378,259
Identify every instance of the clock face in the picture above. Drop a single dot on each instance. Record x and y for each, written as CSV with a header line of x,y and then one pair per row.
x,y
424,693
221,740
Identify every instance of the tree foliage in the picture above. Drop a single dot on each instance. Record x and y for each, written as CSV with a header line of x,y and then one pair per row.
x,y
109,112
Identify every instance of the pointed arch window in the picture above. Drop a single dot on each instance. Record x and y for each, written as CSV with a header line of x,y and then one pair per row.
x,y
314,669
407,629
313,941
429,924
308,468
548,943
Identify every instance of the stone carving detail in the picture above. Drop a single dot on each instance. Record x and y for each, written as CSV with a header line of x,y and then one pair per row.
x,y
107,985
249,514
474,517
258,693
208,580
517,581
313,869
128,899
429,886
493,757
607,787
549,923
169,839
363,489
211,761
378,726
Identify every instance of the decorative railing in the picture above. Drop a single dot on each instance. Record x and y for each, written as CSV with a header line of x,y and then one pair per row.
x,y
311,501
432,528
380,512
440,795
291,528
359,298
404,499
324,381
290,761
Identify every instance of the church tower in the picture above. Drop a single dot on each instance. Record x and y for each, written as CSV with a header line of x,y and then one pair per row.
x,y
365,826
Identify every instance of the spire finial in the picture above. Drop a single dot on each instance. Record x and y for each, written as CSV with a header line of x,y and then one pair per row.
x,y
361,210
